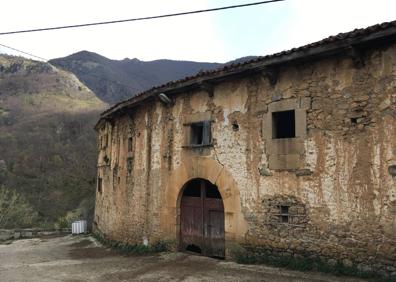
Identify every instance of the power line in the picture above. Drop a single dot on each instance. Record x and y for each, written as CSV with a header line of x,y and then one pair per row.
x,y
143,18
23,52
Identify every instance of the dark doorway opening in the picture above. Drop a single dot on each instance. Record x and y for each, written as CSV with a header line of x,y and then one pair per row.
x,y
193,248
202,219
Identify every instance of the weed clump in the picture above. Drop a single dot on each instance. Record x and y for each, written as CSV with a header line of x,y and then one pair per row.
x,y
133,249
247,256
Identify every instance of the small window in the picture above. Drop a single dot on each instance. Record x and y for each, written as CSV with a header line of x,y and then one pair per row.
x,y
129,165
283,124
284,214
99,185
200,134
130,144
115,175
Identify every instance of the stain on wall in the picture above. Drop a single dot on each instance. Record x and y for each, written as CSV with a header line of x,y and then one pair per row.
x,y
339,198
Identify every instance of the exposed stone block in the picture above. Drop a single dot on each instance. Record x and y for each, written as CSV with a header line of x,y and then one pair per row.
x,y
264,172
392,170
303,172
285,146
284,162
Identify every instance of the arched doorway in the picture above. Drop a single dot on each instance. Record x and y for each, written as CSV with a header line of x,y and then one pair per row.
x,y
202,218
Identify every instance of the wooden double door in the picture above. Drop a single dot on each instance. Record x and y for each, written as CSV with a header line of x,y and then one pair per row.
x,y
202,219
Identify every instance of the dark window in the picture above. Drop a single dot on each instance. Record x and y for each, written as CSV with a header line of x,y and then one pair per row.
x,y
129,165
99,185
235,126
200,133
130,144
115,175
284,214
283,124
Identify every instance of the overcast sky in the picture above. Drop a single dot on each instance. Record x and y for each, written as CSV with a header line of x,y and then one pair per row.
x,y
212,37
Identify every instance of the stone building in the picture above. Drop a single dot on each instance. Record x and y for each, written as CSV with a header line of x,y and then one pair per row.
x,y
288,154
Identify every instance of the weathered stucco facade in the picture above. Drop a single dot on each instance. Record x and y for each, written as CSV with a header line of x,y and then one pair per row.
x,y
329,190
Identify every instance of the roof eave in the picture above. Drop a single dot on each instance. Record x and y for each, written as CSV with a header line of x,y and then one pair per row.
x,y
295,56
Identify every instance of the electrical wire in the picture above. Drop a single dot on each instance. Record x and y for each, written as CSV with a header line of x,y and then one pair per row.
x,y
23,52
142,18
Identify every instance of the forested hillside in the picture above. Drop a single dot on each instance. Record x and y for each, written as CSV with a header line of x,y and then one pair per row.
x,y
47,141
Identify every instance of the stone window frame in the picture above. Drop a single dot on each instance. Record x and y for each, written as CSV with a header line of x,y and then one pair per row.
x,y
205,119
297,211
286,153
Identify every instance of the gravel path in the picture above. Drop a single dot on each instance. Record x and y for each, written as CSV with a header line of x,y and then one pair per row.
x,y
81,258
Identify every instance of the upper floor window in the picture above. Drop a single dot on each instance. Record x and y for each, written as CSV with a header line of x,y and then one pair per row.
x,y
200,133
99,185
283,124
129,144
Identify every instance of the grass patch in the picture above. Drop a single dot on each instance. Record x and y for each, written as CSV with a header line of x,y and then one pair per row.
x,y
245,256
132,249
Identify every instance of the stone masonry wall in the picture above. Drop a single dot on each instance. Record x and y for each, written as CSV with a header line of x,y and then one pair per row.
x,y
340,195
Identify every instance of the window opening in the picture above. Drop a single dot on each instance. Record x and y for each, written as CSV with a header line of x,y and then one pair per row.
x,y
129,165
284,214
197,133
200,133
283,124
235,126
99,185
130,144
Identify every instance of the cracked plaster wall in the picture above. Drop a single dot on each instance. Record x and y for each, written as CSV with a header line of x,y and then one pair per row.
x,y
345,187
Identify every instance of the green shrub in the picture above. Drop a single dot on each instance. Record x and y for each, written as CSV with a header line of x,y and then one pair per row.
x,y
15,211
249,256
61,222
132,249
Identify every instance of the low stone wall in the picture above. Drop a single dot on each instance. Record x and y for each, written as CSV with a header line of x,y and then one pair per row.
x,y
12,234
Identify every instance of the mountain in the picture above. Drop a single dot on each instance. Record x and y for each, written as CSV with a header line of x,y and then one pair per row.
x,y
114,81
47,142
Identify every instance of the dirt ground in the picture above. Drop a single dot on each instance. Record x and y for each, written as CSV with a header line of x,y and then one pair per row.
x,y
81,258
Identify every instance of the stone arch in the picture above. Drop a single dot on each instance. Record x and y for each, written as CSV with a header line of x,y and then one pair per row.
x,y
205,168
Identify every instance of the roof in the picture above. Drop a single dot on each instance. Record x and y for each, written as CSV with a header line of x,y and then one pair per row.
x,y
344,42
